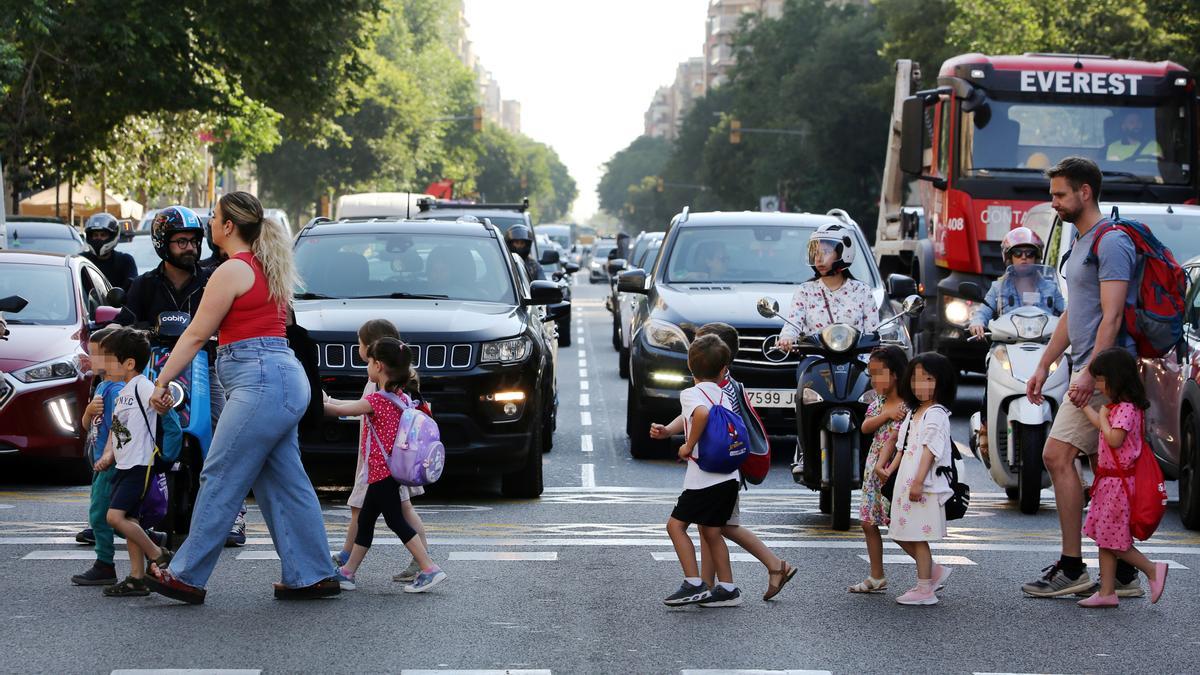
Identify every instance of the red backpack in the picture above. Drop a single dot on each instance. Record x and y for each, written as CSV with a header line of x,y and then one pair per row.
x,y
1154,316
1148,501
758,461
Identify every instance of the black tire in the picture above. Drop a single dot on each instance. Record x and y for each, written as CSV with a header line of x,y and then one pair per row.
x,y
564,333
1012,493
1029,486
825,501
616,335
842,473
526,482
623,364
1189,481
641,446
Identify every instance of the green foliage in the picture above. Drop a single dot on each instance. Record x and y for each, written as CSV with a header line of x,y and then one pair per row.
x,y
645,156
512,167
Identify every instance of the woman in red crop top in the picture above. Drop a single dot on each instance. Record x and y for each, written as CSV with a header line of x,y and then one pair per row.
x,y
255,444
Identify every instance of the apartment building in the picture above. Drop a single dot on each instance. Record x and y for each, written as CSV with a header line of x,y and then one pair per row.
x,y
724,18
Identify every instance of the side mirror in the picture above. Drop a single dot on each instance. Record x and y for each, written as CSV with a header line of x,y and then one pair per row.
x,y
913,305
544,293
912,136
556,311
616,265
13,303
105,315
767,308
550,257
115,297
901,286
632,281
613,253
971,291
570,268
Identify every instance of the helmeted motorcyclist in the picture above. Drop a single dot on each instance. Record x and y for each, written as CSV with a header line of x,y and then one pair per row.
x,y
102,232
833,295
1021,248
520,241
177,284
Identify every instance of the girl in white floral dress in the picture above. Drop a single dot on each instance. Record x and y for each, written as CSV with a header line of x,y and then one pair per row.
x,y
884,415
920,495
833,295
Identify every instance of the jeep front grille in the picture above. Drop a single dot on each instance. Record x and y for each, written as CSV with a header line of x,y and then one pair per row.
x,y
339,356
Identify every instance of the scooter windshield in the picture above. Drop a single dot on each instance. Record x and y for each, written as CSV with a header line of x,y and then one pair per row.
x,y
1028,286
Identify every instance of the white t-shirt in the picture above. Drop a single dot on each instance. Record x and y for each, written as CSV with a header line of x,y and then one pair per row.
x,y
132,441
690,399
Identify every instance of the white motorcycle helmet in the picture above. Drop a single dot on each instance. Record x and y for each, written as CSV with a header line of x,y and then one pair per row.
x,y
839,238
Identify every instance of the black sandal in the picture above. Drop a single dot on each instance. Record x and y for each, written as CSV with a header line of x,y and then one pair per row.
x,y
128,587
163,561
322,589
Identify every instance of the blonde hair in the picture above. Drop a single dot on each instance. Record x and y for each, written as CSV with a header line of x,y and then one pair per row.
x,y
268,240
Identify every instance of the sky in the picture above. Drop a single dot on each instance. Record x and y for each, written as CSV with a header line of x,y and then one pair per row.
x,y
584,70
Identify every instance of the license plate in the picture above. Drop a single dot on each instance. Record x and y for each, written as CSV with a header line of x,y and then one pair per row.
x,y
772,398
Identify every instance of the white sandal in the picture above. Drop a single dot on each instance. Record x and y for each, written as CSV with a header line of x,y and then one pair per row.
x,y
870,585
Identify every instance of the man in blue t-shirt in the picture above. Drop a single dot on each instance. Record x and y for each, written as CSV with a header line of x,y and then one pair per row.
x,y
1102,281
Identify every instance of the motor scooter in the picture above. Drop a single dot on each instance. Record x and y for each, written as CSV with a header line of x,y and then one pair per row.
x,y
1017,428
831,403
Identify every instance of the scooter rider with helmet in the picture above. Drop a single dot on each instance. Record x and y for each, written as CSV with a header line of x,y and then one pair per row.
x,y
833,295
102,232
520,241
1021,248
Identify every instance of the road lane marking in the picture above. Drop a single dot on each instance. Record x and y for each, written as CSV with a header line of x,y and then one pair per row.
x,y
543,556
86,554
584,401
582,364
751,671
669,556
588,472
585,442
1171,564
583,385
456,671
583,372
258,555
585,419
185,671
939,559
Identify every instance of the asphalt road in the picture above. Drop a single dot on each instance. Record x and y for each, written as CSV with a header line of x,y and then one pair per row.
x,y
573,582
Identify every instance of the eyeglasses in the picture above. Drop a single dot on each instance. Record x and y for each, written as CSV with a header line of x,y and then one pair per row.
x,y
187,242
1025,253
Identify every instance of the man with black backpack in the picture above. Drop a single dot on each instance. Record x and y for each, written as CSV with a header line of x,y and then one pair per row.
x,y
1099,274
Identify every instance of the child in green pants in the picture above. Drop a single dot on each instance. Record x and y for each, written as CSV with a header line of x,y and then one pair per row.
x,y
96,419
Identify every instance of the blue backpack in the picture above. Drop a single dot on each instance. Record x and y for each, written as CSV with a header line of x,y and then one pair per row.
x,y
723,445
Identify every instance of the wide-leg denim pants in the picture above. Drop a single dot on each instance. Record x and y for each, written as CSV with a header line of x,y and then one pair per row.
x,y
255,445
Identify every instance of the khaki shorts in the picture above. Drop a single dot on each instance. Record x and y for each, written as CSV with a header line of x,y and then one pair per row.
x,y
1072,426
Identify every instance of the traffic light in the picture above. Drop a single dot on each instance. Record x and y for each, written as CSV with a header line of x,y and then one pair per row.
x,y
524,181
735,131
477,118
659,184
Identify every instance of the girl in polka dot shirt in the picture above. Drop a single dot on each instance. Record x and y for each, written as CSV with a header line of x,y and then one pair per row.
x,y
1120,425
389,366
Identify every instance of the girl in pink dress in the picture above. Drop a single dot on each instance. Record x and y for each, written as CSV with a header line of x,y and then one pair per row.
x,y
1120,423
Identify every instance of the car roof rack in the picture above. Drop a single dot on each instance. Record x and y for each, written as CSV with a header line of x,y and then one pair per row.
x,y
429,204
683,216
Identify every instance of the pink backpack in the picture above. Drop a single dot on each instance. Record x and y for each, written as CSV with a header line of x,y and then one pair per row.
x,y
418,456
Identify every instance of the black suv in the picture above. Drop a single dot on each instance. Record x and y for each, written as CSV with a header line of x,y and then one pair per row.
x,y
475,323
715,267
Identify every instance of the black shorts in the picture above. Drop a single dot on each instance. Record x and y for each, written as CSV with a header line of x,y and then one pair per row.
x,y
711,506
128,490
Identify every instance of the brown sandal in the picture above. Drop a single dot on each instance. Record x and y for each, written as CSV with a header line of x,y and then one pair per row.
x,y
785,574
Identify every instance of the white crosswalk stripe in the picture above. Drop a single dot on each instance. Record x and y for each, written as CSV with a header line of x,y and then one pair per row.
x,y
752,671
538,556
186,671
939,559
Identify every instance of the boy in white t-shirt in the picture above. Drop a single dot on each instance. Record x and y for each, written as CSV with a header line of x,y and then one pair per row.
x,y
131,447
708,498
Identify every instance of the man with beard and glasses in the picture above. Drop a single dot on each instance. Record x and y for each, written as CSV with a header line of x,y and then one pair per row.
x,y
1103,281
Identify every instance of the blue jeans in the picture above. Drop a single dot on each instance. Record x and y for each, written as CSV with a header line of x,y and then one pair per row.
x,y
256,446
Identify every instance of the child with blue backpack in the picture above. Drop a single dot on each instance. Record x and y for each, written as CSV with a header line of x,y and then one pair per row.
x,y
708,498
97,418
389,366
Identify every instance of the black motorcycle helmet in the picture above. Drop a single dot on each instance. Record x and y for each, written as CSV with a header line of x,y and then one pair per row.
x,y
169,221
520,239
105,224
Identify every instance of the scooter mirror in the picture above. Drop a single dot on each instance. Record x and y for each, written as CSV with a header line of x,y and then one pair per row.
x,y
971,291
913,305
767,308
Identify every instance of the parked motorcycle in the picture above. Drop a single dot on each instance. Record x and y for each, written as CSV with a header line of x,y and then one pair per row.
x,y
831,392
1017,428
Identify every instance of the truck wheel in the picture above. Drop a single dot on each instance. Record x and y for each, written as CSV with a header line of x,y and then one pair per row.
x,y
623,364
526,482
825,501
841,473
1012,493
1029,485
1189,481
641,446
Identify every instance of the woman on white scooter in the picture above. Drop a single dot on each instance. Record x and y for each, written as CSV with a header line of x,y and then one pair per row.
x,y
833,295
1021,247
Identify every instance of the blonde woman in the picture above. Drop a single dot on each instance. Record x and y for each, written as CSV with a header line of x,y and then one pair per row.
x,y
255,444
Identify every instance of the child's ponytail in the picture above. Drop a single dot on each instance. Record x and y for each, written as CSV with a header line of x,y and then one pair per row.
x,y
396,358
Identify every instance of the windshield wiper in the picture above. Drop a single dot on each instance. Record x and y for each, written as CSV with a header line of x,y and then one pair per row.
x,y
400,295
1010,169
313,296
1125,174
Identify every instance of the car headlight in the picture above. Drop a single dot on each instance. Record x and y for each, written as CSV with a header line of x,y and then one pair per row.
x,y
839,337
506,351
65,367
1029,327
809,396
666,335
957,311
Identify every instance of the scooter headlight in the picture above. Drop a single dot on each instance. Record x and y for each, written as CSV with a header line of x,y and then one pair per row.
x,y
839,337
1029,327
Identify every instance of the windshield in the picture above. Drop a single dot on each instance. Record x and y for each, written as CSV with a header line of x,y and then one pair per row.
x,y
1179,233
141,247
1130,143
743,254
601,251
380,265
47,289
647,257
558,234
68,246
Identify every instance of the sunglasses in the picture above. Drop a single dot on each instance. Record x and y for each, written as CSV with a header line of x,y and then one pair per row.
x,y
1025,254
